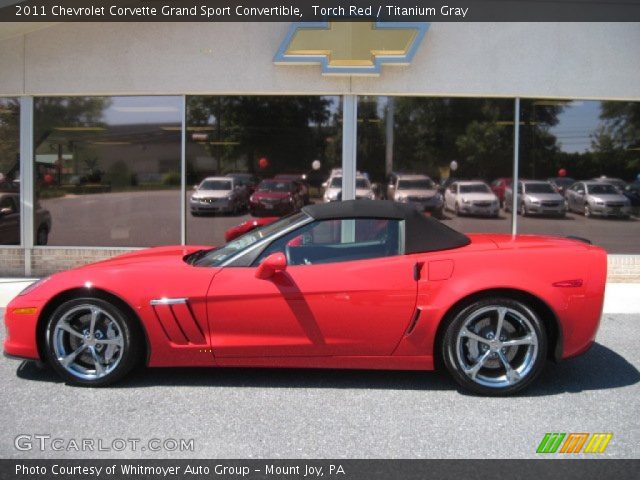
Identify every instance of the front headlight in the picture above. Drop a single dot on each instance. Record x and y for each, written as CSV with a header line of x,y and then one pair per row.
x,y
466,200
372,196
401,198
598,202
534,201
33,286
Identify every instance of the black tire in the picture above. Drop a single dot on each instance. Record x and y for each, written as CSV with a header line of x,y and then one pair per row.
x,y
536,355
130,335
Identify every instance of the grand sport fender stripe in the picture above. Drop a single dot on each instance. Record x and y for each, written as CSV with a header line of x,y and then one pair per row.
x,y
177,321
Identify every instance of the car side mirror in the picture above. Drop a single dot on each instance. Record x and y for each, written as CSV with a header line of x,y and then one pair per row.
x,y
274,263
6,211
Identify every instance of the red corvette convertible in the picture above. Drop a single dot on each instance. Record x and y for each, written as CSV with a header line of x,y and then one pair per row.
x,y
354,284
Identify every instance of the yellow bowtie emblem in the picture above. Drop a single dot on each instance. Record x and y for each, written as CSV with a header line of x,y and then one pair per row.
x,y
351,48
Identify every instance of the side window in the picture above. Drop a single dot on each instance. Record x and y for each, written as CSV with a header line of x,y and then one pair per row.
x,y
329,241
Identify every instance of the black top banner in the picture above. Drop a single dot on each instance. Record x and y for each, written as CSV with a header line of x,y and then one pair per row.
x,y
319,10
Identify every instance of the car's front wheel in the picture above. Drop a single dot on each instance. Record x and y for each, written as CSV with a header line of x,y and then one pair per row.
x,y
495,346
92,342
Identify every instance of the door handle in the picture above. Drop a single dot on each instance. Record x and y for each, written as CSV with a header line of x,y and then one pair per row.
x,y
417,267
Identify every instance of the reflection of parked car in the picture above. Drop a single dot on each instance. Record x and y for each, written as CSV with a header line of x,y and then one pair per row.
x,y
616,182
561,183
364,190
598,198
247,181
536,197
301,181
632,192
419,191
244,227
471,198
275,197
10,221
217,194
499,187
365,284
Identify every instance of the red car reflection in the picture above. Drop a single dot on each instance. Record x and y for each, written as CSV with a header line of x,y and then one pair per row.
x,y
244,227
275,197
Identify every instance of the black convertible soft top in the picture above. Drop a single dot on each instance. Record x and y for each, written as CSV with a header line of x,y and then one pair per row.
x,y
422,233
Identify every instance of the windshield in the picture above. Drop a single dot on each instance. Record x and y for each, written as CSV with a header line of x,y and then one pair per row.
x,y
474,188
362,183
538,188
604,188
215,185
274,186
564,182
217,256
424,184
336,182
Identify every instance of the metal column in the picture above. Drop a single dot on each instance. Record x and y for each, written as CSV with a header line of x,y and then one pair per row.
x,y
26,180
183,173
516,162
349,145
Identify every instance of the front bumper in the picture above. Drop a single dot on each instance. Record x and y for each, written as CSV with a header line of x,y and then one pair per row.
x,y
20,339
280,208
480,210
606,211
541,209
199,206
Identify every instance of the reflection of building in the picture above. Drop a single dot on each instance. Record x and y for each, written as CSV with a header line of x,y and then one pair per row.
x,y
151,78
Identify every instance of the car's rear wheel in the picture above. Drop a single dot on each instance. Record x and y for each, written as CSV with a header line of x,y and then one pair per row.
x,y
92,342
495,346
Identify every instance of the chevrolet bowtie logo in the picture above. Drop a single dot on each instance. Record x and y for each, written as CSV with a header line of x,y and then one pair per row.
x,y
351,48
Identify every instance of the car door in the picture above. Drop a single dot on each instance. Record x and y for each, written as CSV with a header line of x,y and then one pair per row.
x,y
346,290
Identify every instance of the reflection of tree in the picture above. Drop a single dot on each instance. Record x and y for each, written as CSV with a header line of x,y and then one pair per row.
x,y
430,132
59,121
621,124
289,131
9,137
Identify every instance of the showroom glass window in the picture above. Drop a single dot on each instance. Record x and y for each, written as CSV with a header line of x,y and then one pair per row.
x,y
107,170
256,157
413,149
590,152
9,171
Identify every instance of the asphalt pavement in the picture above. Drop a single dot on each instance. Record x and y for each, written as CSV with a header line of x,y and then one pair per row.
x,y
142,219
268,413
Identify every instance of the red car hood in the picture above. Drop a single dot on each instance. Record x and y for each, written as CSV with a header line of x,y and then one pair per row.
x,y
157,255
277,195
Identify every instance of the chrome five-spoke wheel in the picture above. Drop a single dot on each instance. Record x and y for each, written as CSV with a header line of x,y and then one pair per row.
x,y
90,341
495,346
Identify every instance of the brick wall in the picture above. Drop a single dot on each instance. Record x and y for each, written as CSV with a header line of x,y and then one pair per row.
x,y
11,262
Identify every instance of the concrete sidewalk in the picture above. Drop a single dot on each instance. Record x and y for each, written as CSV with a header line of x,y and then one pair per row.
x,y
619,297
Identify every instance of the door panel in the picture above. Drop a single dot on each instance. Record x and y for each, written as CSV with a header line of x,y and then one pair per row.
x,y
348,308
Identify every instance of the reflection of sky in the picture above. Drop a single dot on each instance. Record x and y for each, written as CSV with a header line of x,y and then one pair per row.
x,y
576,124
136,110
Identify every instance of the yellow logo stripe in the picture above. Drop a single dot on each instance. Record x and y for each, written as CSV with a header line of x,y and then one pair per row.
x,y
598,442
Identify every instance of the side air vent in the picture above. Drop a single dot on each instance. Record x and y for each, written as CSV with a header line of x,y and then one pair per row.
x,y
414,321
178,322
